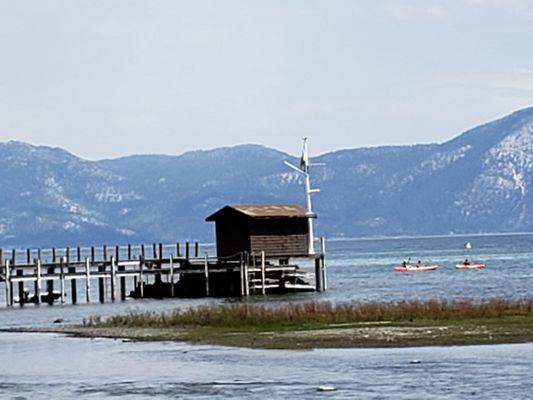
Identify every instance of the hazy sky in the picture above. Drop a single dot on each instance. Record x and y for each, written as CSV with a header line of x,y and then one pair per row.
x,y
114,77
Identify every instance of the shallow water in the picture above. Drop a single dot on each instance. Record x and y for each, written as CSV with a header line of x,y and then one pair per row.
x,y
36,366
53,366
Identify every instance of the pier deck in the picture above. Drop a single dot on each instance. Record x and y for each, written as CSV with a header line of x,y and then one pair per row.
x,y
129,271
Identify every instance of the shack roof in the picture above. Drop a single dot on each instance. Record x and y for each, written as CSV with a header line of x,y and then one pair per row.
x,y
263,211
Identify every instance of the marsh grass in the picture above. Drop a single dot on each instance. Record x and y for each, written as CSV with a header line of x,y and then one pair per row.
x,y
317,314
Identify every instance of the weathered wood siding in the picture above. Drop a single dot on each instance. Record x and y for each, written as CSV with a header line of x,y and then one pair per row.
x,y
280,245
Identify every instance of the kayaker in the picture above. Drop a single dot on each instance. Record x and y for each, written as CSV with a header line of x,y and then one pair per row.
x,y
419,263
466,262
404,263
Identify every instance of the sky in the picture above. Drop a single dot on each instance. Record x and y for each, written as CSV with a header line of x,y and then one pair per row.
x,y
108,78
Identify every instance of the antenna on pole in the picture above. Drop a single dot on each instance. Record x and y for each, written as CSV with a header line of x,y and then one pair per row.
x,y
304,170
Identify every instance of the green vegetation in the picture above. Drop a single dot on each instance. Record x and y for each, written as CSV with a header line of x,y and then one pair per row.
x,y
325,324
252,316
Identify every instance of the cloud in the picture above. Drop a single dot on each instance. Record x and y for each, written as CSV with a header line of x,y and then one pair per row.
x,y
509,4
407,11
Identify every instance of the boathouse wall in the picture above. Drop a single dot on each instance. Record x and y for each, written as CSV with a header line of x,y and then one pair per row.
x,y
278,230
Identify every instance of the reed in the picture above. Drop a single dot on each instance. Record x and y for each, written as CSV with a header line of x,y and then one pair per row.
x,y
259,317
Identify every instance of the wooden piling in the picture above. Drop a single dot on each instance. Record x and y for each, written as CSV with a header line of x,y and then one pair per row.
x,y
53,254
38,281
78,254
160,251
171,275
187,251
62,278
13,257
7,274
20,273
101,269
263,273
241,276
73,284
154,251
87,280
67,255
28,256
50,285
206,274
246,280
178,252
196,250
141,277
113,278
318,274
129,251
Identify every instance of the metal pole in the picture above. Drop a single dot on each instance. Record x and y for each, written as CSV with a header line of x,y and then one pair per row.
x,y
323,259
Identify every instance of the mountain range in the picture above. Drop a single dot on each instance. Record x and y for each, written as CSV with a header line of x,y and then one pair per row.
x,y
478,182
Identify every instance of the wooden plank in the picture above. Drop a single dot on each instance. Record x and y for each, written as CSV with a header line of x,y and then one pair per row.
x,y
7,275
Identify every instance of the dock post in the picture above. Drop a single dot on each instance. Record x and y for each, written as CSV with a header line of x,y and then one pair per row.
x,y
178,253
87,279
38,281
28,256
246,279
187,251
122,268
62,278
241,275
101,269
160,251
113,279
206,274
141,278
73,282
263,275
50,282
67,255
78,254
196,250
318,274
323,260
171,275
1,257
20,272
9,300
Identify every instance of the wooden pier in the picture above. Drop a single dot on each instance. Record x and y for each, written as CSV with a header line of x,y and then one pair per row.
x,y
156,271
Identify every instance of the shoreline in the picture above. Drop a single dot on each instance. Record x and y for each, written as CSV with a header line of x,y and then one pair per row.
x,y
379,334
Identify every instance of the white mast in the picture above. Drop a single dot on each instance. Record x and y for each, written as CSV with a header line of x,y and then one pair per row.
x,y
304,170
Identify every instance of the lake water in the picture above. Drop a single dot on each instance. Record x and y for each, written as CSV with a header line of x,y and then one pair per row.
x,y
52,366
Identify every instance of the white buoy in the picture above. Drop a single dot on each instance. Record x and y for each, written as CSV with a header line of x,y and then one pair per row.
x,y
326,389
468,245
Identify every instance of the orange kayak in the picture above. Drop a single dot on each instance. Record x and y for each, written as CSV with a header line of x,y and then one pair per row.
x,y
474,265
415,268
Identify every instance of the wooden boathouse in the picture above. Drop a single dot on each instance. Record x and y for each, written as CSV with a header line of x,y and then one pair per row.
x,y
280,230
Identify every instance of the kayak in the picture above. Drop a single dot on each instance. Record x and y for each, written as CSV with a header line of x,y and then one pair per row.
x,y
415,268
475,265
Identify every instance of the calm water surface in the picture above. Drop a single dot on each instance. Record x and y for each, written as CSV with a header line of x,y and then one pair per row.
x,y
56,367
